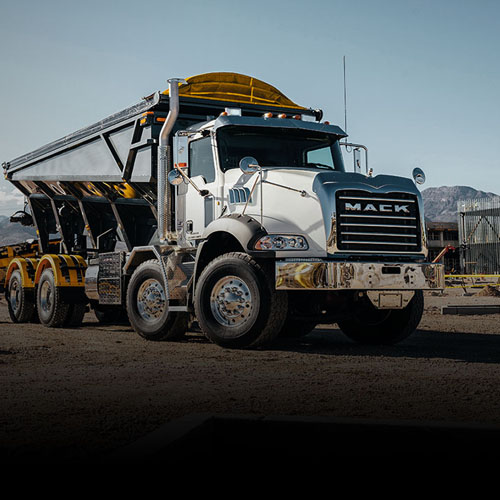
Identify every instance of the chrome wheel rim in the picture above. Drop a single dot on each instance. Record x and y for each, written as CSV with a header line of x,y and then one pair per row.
x,y
231,301
14,293
46,296
151,300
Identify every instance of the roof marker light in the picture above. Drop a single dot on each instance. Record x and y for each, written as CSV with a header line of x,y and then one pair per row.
x,y
267,115
282,115
233,111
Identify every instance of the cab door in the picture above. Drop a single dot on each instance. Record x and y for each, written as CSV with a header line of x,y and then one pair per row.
x,y
200,210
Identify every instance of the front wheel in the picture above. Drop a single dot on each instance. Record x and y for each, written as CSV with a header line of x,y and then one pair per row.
x,y
236,304
369,325
147,305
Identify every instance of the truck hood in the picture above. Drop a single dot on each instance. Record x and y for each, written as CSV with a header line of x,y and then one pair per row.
x,y
286,210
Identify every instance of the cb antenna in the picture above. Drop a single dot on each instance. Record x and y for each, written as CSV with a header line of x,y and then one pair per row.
x,y
345,101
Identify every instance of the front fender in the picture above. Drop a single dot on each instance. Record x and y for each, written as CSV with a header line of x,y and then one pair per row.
x,y
244,228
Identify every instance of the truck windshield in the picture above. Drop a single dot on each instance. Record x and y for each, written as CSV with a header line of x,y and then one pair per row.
x,y
279,147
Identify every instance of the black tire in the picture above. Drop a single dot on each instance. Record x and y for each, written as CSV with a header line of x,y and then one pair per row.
x,y
75,315
254,313
154,322
52,309
296,328
20,300
369,325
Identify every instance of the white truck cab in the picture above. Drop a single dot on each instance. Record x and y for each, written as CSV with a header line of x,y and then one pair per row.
x,y
328,236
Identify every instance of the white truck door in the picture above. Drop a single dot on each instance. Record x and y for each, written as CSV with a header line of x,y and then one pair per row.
x,y
200,210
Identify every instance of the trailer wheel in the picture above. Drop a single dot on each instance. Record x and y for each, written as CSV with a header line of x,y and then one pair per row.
x,y
369,325
20,300
236,304
52,309
147,305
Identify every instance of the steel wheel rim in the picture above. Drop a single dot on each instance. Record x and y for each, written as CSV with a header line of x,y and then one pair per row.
x,y
151,300
46,296
14,293
231,302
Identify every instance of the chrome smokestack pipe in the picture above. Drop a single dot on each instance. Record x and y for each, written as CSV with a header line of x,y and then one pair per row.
x,y
164,209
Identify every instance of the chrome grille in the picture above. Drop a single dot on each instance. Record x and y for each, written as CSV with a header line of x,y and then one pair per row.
x,y
377,222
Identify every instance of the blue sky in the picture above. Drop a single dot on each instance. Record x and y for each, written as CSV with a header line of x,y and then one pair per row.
x,y
423,77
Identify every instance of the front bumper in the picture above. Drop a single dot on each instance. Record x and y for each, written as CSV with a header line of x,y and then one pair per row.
x,y
329,275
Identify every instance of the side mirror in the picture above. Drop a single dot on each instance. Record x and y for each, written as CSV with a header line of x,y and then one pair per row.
x,y
249,165
356,154
175,177
418,175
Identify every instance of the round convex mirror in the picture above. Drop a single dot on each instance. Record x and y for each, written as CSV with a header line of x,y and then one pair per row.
x,y
175,177
249,165
418,175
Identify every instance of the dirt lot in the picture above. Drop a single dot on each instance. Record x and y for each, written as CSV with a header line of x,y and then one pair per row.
x,y
97,388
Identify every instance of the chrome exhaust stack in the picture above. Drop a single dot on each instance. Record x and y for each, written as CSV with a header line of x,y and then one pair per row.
x,y
164,166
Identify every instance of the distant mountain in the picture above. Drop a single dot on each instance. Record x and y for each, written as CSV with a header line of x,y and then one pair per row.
x,y
440,203
11,233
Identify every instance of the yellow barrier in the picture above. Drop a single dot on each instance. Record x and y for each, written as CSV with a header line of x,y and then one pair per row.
x,y
472,280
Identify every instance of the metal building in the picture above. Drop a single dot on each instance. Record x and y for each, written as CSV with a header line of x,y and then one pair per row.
x,y
479,234
444,236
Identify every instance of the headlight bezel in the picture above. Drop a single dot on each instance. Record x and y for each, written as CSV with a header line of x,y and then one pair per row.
x,y
281,242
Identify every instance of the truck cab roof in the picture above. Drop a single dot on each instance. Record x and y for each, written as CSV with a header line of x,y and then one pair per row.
x,y
274,122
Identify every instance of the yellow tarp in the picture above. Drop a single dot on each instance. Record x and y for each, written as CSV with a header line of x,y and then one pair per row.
x,y
236,88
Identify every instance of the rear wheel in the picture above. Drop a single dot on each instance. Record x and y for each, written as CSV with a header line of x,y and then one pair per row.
x,y
20,300
147,305
53,310
236,304
369,325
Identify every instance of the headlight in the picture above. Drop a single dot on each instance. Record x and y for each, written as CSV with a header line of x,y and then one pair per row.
x,y
281,242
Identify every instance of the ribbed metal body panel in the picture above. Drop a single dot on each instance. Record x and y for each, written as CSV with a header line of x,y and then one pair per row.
x,y
479,235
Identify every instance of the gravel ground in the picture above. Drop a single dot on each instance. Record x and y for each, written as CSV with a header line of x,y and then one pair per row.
x,y
97,388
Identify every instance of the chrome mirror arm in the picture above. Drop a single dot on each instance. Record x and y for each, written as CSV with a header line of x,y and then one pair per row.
x,y
201,192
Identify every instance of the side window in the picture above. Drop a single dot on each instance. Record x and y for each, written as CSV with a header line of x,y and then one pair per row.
x,y
201,159
321,155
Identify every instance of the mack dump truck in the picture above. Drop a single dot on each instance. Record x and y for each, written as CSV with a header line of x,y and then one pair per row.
x,y
220,201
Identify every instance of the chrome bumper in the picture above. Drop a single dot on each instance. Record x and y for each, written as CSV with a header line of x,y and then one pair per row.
x,y
327,275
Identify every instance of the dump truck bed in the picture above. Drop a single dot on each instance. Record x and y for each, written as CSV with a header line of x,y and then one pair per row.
x,y
122,147
103,178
